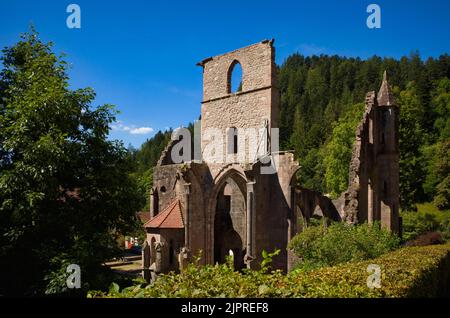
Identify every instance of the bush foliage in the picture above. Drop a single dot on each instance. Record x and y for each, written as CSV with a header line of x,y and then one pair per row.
x,y
427,219
407,272
318,246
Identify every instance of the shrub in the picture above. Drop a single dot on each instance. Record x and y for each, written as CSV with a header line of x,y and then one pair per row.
x,y
407,272
197,281
318,246
426,219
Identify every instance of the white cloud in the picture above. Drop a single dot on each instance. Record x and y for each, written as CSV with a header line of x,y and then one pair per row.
x,y
132,129
141,131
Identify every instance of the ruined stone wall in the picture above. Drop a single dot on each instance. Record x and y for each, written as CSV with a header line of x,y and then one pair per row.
x,y
164,182
373,192
242,111
250,108
355,198
257,67
237,211
200,180
256,107
272,193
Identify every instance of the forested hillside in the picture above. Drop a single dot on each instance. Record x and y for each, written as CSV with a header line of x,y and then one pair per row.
x,y
321,105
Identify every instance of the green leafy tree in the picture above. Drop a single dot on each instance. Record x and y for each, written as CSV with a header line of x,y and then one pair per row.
x,y
437,181
339,150
65,190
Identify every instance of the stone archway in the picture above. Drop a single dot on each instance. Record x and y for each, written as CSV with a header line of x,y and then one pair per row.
x,y
228,212
314,204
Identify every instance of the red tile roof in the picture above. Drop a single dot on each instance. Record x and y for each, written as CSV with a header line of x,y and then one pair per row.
x,y
170,218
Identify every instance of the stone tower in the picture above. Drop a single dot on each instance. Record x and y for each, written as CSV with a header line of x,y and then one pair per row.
x,y
386,194
373,193
255,106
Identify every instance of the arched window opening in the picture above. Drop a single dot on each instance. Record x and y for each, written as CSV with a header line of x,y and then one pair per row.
x,y
232,140
235,77
163,189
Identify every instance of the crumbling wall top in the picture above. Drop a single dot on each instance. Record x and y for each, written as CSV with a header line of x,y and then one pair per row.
x,y
258,68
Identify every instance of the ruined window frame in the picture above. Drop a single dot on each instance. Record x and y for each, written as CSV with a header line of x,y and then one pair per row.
x,y
230,72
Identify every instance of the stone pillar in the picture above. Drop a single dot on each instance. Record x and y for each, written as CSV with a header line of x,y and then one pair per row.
x,y
250,216
370,203
183,258
386,216
187,225
293,200
152,203
158,261
292,225
146,261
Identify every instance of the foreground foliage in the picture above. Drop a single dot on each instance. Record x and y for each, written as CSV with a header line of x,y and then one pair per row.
x,y
407,272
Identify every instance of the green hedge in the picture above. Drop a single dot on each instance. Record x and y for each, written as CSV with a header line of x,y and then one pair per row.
x,y
407,272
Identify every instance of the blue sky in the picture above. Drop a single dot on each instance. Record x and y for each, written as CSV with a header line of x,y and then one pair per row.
x,y
140,55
